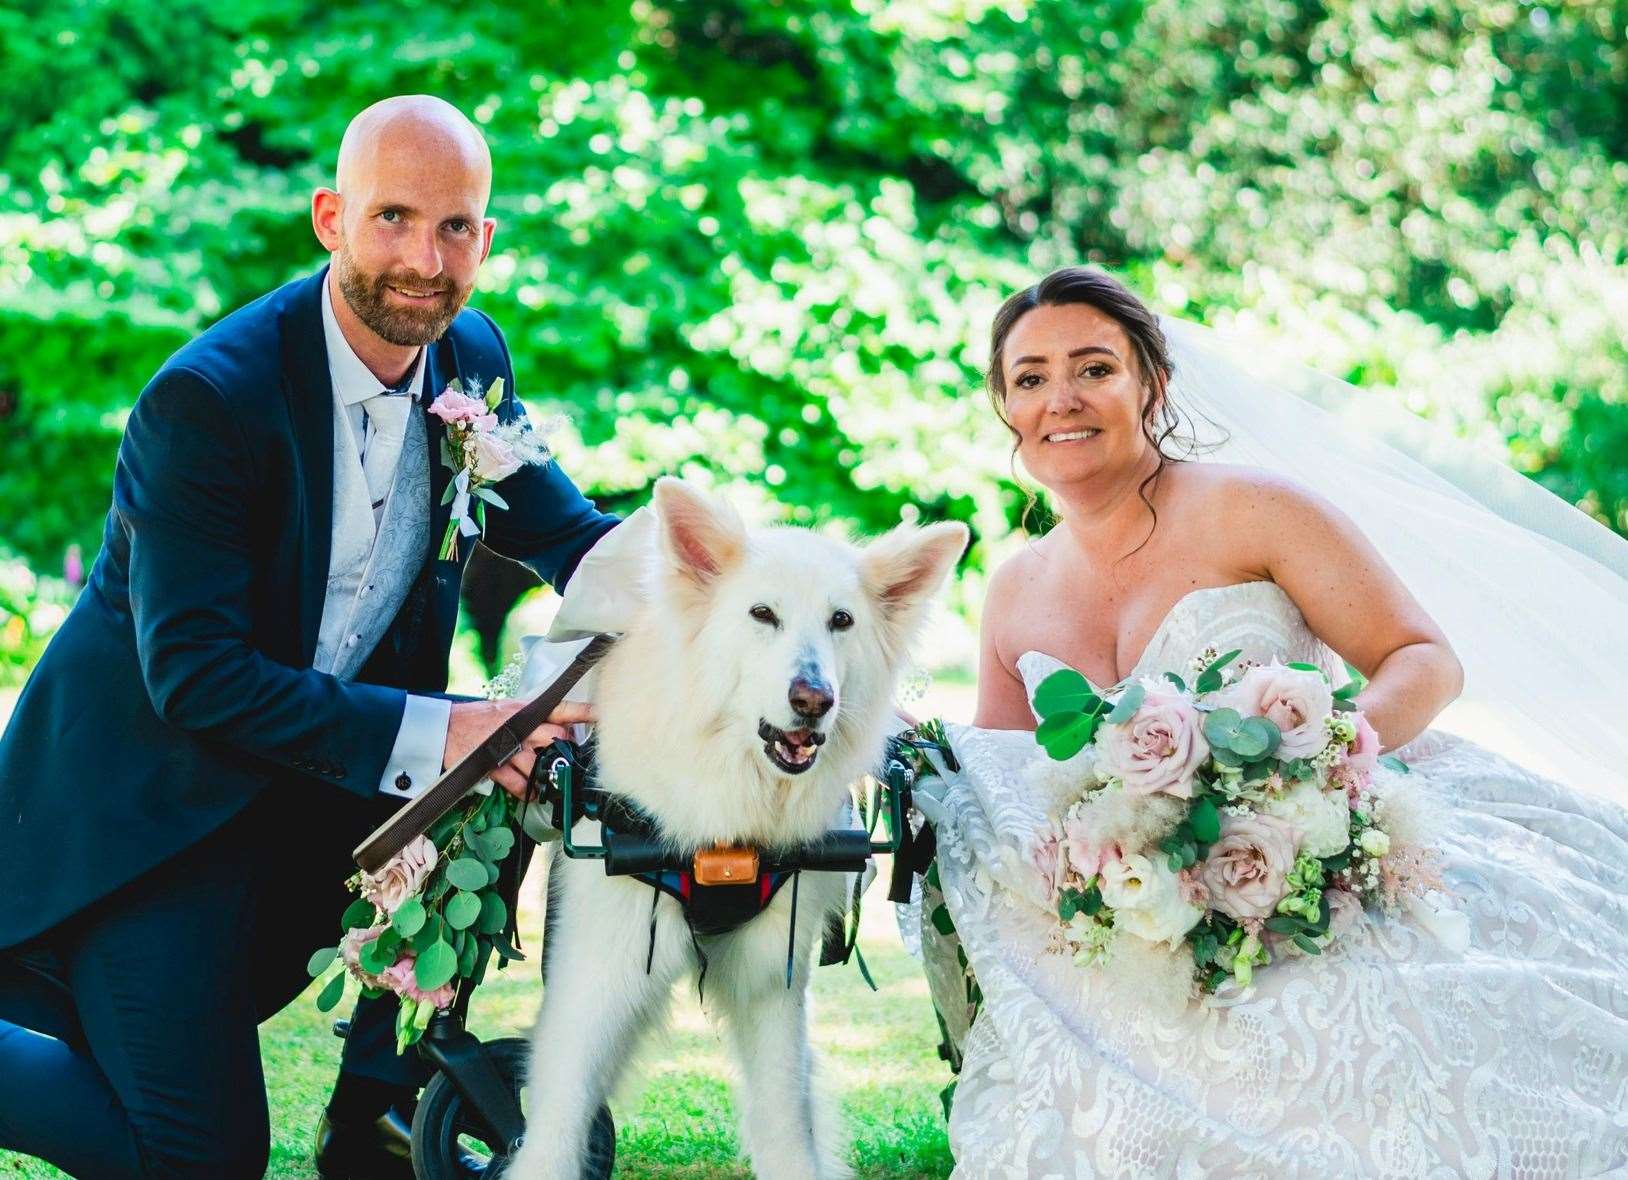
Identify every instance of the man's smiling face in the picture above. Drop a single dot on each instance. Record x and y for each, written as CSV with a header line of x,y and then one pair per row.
x,y
411,230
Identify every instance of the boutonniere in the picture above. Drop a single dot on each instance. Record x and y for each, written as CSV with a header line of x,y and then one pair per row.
x,y
479,451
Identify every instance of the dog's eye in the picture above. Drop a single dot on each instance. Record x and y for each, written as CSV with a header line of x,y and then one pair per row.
x,y
841,621
764,615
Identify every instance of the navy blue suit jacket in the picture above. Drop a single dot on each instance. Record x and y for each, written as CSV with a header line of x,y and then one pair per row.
x,y
180,686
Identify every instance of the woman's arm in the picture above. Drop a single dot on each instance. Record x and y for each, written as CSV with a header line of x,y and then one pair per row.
x,y
1355,603
1002,701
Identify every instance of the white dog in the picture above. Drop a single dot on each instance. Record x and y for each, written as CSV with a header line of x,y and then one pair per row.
x,y
752,690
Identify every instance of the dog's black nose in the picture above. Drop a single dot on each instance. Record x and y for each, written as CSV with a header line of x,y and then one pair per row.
x,y
810,698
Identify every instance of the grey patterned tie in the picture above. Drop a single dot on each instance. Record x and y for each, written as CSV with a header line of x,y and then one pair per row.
x,y
384,422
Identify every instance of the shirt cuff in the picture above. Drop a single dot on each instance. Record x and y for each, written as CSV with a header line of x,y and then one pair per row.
x,y
415,762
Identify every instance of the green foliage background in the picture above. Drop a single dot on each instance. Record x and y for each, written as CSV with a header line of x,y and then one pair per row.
x,y
764,238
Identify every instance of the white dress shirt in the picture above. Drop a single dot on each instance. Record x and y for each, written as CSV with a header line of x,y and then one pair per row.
x,y
377,424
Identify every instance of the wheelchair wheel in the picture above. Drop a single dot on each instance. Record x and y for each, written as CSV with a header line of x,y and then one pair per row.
x,y
449,1144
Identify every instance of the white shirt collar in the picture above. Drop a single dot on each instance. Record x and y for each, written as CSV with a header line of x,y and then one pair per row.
x,y
353,381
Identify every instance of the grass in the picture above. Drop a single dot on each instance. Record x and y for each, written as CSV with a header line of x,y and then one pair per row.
x,y
879,1052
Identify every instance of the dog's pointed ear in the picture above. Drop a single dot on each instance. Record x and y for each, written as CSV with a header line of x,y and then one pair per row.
x,y
905,568
702,536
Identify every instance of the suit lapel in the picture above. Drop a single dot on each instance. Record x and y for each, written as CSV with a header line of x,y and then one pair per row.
x,y
311,410
440,367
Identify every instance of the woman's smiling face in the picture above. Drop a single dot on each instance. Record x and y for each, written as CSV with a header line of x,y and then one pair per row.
x,y
1074,394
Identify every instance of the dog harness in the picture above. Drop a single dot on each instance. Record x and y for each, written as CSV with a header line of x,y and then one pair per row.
x,y
708,909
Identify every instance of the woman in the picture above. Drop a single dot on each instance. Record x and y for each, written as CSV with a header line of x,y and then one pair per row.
x,y
1398,1051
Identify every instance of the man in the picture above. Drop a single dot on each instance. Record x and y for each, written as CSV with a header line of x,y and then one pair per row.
x,y
249,684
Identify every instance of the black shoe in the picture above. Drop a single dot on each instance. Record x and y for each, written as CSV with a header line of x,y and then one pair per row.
x,y
380,1150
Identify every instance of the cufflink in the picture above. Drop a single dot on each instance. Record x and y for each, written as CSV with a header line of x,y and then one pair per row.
x,y
404,781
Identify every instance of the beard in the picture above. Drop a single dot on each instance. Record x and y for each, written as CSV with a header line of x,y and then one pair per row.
x,y
410,326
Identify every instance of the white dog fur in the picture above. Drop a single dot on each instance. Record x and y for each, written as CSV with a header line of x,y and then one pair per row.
x,y
680,700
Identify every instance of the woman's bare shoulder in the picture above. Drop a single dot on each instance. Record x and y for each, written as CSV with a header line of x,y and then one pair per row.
x,y
1242,493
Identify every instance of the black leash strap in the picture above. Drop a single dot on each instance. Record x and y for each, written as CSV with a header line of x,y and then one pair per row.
x,y
504,743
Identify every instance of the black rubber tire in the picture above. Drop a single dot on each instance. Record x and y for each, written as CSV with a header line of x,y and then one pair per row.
x,y
442,1119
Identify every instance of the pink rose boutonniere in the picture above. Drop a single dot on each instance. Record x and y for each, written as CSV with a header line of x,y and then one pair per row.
x,y
480,451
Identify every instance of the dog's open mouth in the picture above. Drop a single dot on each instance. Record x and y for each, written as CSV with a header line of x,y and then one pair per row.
x,y
792,750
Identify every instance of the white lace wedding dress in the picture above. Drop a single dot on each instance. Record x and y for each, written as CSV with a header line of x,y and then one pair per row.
x,y
1389,1055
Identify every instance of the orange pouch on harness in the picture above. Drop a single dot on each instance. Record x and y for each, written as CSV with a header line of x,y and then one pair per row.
x,y
726,866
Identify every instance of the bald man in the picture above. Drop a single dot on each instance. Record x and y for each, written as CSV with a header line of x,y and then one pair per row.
x,y
252,679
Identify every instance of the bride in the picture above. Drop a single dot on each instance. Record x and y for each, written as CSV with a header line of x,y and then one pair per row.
x,y
1488,1037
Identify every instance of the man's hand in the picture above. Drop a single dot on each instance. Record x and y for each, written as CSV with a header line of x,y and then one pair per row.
x,y
472,723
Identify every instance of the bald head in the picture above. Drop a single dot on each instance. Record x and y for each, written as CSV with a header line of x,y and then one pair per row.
x,y
406,222
417,129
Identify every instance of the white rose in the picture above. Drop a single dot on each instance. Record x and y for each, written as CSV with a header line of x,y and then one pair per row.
x,y
495,459
1322,817
1374,842
1147,899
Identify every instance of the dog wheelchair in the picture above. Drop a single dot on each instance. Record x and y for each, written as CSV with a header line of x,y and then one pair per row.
x,y
469,1120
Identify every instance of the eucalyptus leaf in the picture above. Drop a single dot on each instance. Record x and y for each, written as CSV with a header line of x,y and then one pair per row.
x,y
496,843
435,928
328,998
1305,943
941,921
1392,762
483,492
1064,691
1210,679
468,957
358,915
510,955
494,914
375,959
409,917
1064,735
1129,701
1176,680
1221,726
321,961
1256,737
467,873
435,966
463,910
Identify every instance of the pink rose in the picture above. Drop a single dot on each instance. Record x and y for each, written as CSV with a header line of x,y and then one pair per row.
x,y
350,952
1047,858
494,459
1344,908
1246,868
1158,749
1296,701
1190,882
402,876
453,406
1086,854
399,977
1364,753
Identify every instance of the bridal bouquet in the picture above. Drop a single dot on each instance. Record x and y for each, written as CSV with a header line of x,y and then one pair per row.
x,y
431,916
480,452
1224,822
